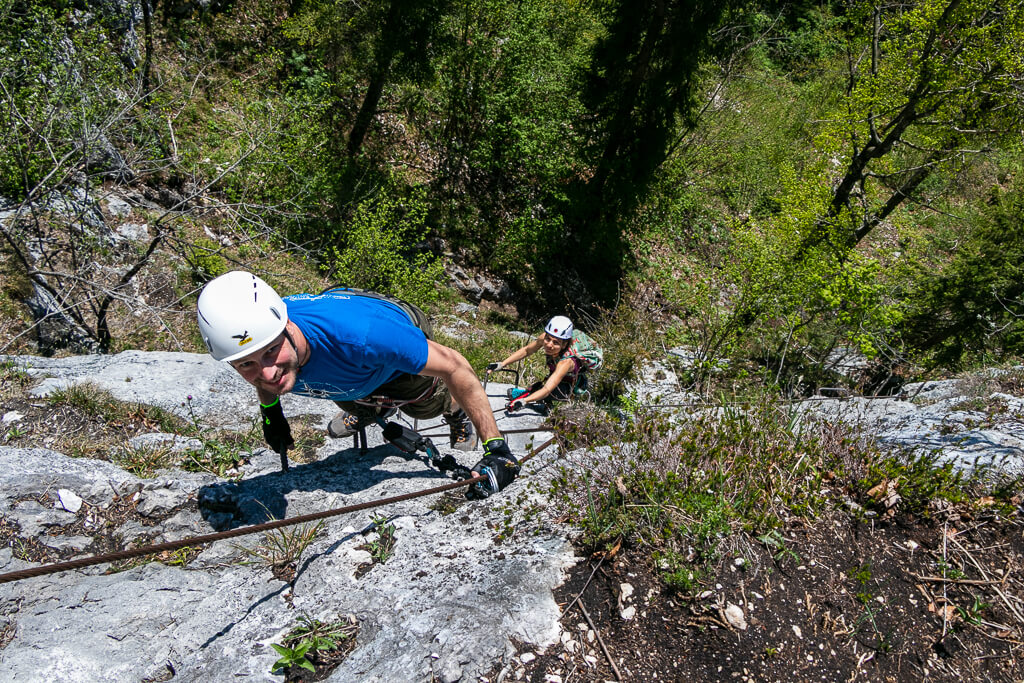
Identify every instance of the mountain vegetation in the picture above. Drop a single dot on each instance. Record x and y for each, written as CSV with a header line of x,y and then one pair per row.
x,y
771,187
764,182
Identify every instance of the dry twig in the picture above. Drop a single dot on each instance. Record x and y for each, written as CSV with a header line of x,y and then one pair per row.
x,y
600,640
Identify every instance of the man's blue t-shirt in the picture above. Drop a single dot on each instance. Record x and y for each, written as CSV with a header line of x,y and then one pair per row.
x,y
356,344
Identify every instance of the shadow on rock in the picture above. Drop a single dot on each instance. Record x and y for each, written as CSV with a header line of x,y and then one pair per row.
x,y
231,504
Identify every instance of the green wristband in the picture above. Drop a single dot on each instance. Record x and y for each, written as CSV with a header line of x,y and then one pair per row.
x,y
271,405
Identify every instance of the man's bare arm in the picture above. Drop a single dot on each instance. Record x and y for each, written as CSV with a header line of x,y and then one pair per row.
x,y
455,371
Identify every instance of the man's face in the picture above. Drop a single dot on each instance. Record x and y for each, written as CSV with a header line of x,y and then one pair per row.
x,y
552,345
273,368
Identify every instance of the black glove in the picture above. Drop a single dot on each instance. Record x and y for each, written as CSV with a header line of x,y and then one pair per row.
x,y
491,367
500,466
515,405
275,428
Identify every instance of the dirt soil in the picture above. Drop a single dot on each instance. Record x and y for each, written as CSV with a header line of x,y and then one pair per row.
x,y
938,599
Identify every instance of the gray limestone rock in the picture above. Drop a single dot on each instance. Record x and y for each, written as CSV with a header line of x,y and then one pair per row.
x,y
34,519
133,232
76,543
445,605
659,385
191,385
176,443
932,424
36,471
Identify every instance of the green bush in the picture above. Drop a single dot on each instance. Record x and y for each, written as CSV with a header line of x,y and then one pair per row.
x,y
511,140
379,250
681,485
205,260
918,478
960,311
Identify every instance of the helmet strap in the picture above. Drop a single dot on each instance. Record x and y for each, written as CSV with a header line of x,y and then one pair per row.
x,y
288,336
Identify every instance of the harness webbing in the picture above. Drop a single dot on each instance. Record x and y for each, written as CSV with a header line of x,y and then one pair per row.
x,y
388,402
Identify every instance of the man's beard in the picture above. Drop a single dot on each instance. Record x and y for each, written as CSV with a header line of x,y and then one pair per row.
x,y
290,369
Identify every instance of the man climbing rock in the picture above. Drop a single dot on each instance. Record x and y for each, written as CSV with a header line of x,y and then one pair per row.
x,y
370,354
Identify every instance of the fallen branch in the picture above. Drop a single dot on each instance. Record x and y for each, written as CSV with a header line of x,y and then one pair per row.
x,y
600,640
969,582
998,584
597,566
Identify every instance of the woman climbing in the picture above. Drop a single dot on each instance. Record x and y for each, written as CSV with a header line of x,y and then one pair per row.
x,y
569,354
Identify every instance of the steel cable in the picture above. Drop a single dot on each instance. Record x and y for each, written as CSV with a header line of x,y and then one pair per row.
x,y
54,568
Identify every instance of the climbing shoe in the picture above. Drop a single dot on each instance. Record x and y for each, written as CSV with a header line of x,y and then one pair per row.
x,y
346,424
461,431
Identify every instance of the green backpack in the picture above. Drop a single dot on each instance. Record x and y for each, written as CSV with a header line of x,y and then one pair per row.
x,y
583,347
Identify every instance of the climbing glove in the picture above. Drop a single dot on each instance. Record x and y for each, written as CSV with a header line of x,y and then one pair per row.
x,y
491,367
500,466
275,427
517,404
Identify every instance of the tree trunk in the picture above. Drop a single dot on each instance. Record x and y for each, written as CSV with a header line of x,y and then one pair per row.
x,y
385,55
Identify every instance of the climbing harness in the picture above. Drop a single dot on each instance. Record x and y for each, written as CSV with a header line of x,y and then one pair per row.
x,y
55,568
388,402
419,320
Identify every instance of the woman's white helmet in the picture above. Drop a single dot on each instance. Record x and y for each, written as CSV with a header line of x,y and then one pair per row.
x,y
559,327
239,313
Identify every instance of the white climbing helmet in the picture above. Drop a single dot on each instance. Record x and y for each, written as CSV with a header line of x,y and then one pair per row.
x,y
559,327
239,313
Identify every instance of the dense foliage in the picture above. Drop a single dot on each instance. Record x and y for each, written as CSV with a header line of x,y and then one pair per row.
x,y
772,183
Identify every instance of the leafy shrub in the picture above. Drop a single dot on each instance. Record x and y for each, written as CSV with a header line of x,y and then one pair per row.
x,y
379,250
681,485
313,638
971,306
382,547
205,260
919,478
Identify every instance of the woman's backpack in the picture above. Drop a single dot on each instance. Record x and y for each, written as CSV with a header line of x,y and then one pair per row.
x,y
585,350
